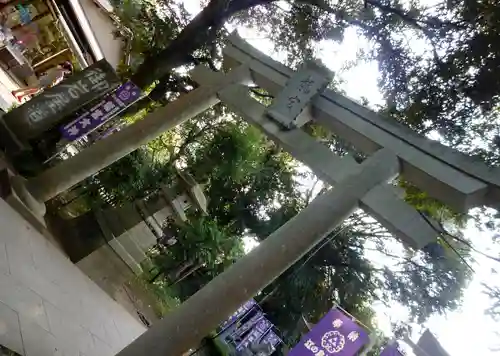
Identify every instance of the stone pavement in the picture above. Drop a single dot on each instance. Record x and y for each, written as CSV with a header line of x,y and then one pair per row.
x,y
47,305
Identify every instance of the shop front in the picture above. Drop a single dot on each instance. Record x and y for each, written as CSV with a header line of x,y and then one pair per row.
x,y
32,39
36,35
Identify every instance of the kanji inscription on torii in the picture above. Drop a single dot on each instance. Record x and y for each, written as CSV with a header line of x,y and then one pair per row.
x,y
299,90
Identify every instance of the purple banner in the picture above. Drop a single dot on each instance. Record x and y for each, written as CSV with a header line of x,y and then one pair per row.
x,y
335,334
238,314
108,108
391,350
255,334
270,338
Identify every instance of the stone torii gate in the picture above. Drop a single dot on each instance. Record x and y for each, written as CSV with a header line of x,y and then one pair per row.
x,y
443,173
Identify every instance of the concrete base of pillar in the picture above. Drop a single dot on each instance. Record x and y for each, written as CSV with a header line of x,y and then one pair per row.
x,y
122,245
13,190
106,269
19,186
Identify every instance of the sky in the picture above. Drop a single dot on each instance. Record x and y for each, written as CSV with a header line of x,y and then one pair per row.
x,y
464,332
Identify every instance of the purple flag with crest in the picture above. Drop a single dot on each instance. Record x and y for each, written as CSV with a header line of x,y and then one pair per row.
x,y
391,350
335,334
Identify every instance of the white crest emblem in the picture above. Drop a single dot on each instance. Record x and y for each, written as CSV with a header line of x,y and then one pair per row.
x,y
333,342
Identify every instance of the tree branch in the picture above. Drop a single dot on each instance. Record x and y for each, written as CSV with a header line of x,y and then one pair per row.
x,y
207,60
399,258
442,230
193,135
311,191
410,19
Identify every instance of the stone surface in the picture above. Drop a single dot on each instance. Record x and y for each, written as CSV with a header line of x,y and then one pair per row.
x,y
106,269
14,192
4,264
47,305
10,334
296,95
142,236
125,256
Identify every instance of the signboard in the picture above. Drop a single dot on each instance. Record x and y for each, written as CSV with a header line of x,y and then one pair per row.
x,y
240,331
391,350
237,314
296,95
47,109
105,110
259,329
335,334
247,326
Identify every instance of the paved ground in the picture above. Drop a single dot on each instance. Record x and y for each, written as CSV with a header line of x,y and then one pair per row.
x,y
47,305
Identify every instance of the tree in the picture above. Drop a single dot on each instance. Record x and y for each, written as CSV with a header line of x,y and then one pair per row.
x,y
454,91
253,189
246,176
201,243
133,177
494,294
446,84
448,87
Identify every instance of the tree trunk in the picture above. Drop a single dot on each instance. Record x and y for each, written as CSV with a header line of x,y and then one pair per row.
x,y
200,31
186,274
203,29
178,271
193,36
